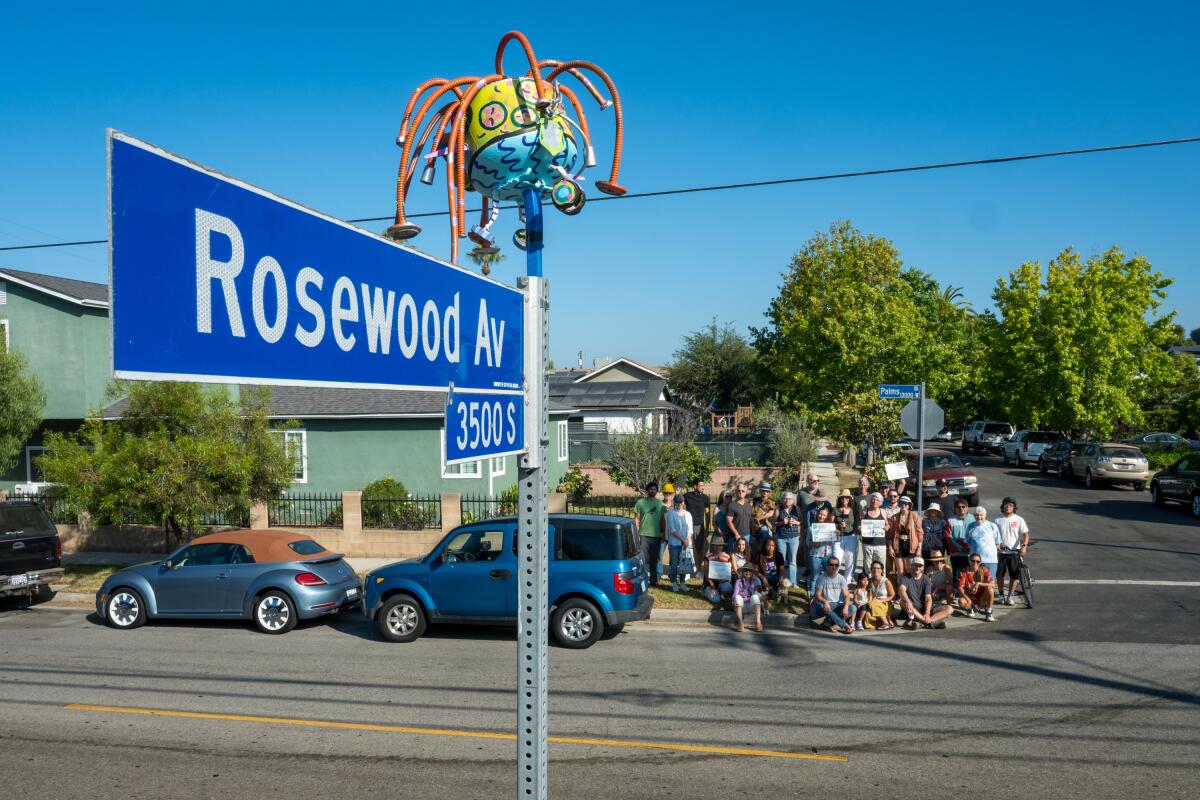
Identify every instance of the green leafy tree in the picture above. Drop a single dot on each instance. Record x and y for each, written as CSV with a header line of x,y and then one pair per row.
x,y
1195,335
1081,346
793,447
716,363
575,483
848,317
177,454
22,401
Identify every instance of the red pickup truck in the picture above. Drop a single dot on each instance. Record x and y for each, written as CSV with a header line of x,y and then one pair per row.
x,y
943,464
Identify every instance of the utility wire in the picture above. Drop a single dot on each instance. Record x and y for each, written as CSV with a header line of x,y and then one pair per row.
x,y
755,184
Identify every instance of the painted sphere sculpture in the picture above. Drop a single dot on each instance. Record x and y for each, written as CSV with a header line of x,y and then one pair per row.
x,y
501,136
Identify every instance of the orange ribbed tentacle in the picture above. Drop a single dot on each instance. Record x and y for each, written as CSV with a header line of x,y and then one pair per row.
x,y
578,112
543,91
402,180
610,186
412,102
458,144
438,120
591,87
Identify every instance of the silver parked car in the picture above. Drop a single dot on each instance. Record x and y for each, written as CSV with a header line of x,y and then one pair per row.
x,y
274,578
1024,447
1109,462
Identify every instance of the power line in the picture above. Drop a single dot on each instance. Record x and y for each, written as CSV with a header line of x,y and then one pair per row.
x,y
756,184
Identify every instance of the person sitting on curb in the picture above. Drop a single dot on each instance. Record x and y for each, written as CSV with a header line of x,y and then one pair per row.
x,y
831,600
861,597
977,590
717,587
771,566
916,598
941,579
747,591
880,593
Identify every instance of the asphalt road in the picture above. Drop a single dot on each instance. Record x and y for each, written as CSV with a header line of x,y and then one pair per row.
x,y
1095,693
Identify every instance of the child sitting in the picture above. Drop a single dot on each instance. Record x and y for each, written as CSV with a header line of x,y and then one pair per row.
x,y
747,590
860,598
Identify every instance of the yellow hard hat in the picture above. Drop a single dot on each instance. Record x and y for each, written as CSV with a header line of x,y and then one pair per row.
x,y
668,487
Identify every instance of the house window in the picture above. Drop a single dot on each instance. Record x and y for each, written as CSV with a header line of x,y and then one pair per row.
x,y
467,470
497,466
3,336
563,442
34,472
295,443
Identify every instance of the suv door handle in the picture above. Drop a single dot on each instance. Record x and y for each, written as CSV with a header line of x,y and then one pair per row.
x,y
500,574
221,576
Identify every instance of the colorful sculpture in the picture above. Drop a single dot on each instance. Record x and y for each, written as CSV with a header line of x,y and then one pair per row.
x,y
501,136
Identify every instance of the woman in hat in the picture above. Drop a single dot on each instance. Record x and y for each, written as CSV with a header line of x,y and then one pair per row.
x,y
872,529
941,579
905,534
935,526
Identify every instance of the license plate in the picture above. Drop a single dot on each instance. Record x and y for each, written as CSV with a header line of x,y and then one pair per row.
x,y
18,580
1123,466
352,593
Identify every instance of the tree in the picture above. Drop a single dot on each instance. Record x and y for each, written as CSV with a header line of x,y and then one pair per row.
x,y
177,454
22,401
793,447
485,260
1081,347
645,455
848,317
716,363
1195,335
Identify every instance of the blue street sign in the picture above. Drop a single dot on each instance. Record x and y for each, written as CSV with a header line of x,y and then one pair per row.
x,y
479,425
899,391
215,280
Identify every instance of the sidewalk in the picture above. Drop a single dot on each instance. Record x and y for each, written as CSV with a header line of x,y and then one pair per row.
x,y
783,621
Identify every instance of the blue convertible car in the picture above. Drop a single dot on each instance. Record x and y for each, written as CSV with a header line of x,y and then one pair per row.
x,y
275,578
597,580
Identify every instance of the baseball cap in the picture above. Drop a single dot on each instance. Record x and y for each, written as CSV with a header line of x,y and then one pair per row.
x,y
905,500
919,560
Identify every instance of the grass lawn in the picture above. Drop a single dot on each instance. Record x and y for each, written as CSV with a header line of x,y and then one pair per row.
x,y
85,578
664,597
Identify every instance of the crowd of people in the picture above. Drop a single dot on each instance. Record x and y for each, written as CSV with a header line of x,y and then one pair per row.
x,y
868,559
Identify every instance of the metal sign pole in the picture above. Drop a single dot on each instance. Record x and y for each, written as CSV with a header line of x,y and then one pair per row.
x,y
533,703
921,450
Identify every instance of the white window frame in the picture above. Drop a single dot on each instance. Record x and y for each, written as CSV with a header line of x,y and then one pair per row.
x,y
564,446
5,345
284,433
468,470
29,454
497,466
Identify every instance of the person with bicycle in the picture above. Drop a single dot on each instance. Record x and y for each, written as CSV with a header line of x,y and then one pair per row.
x,y
1014,542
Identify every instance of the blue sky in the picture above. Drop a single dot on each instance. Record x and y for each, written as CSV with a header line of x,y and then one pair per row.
x,y
305,99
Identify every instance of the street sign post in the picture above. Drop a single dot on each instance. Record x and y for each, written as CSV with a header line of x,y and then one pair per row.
x,y
899,391
217,281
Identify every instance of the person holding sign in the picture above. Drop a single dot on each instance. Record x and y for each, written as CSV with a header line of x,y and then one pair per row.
x,y
831,599
718,573
822,533
905,534
873,530
846,520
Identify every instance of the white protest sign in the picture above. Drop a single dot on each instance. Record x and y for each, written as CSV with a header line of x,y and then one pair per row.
x,y
823,531
896,470
720,570
874,528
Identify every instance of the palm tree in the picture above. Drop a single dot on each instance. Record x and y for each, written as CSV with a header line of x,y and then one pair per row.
x,y
485,259
953,295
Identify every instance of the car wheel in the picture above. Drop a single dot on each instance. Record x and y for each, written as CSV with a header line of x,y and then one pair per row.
x,y
1139,486
1088,480
1004,457
1042,466
124,609
577,624
275,613
43,593
401,619
1156,495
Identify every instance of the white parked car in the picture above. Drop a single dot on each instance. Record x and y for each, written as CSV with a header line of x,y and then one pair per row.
x,y
1024,447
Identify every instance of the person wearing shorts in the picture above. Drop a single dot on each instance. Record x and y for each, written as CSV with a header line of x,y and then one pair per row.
x,y
977,590
1014,539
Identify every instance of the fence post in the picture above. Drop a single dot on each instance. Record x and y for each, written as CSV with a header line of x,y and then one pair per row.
x,y
259,517
556,502
352,521
451,511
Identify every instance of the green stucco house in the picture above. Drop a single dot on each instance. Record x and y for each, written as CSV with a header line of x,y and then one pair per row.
x,y
346,438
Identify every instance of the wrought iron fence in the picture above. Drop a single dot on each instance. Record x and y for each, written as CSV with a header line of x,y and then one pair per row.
x,y
306,511
410,513
476,508
230,519
55,506
617,505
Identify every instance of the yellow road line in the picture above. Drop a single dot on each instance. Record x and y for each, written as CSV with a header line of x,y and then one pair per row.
x,y
364,726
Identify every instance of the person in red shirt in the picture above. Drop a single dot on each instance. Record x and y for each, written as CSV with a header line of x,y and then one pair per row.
x,y
977,589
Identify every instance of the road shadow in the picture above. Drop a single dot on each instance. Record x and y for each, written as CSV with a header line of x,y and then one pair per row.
x,y
1128,510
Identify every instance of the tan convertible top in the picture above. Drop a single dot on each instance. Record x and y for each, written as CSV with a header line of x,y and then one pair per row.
x,y
267,546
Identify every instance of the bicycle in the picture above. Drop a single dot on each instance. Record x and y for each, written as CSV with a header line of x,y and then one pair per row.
x,y
1023,575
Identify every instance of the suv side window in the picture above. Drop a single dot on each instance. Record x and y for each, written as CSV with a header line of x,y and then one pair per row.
x,y
1187,463
474,545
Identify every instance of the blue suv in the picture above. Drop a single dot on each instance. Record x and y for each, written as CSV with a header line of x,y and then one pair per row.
x,y
597,580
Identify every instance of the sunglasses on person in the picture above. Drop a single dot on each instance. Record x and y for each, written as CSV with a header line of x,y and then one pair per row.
x,y
976,561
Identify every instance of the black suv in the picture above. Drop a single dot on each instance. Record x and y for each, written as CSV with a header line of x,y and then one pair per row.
x,y
1179,483
1057,458
30,551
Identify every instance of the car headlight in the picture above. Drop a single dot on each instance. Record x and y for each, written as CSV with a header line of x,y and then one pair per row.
x,y
928,483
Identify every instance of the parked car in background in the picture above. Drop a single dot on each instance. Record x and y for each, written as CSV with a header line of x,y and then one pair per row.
x,y
1098,463
1024,447
274,578
960,479
944,435
1056,458
30,551
985,436
597,580
1163,440
1179,483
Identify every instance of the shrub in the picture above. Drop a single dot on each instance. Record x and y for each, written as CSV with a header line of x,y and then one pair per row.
x,y
399,513
575,483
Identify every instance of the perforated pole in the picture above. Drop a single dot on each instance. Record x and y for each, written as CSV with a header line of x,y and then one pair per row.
x,y
533,704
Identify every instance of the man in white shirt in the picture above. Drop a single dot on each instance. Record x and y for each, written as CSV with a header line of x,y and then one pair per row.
x,y
1014,539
